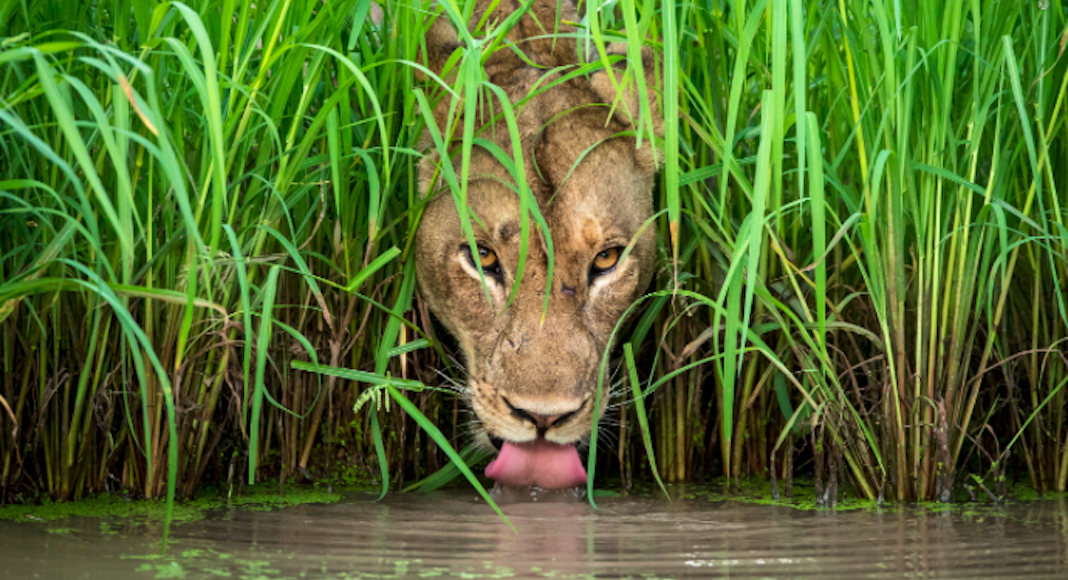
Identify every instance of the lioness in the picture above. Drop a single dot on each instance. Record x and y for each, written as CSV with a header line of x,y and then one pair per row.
x,y
532,381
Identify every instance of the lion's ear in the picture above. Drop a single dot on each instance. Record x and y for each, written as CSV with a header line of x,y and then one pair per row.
x,y
533,35
627,99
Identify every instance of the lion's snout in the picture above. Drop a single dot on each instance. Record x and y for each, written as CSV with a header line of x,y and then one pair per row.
x,y
538,400
544,375
542,385
546,413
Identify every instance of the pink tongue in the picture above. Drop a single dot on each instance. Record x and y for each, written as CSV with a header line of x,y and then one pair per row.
x,y
542,463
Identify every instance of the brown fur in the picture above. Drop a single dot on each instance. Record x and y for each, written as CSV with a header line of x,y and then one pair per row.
x,y
546,368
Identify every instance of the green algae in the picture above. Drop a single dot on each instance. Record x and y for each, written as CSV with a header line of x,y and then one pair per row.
x,y
205,563
209,563
268,497
104,506
1024,492
262,497
757,491
169,570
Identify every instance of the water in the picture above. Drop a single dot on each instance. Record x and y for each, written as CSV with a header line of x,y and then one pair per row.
x,y
455,534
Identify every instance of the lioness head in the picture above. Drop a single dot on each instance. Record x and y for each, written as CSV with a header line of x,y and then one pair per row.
x,y
533,372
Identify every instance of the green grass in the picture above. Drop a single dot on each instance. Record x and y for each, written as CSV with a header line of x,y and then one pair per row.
x,y
862,224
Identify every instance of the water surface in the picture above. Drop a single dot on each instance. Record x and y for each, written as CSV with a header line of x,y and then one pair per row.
x,y
455,534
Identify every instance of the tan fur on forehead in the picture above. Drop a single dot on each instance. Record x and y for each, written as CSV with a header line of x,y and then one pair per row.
x,y
594,190
591,232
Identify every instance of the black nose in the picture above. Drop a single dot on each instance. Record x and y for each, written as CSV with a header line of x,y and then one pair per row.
x,y
542,422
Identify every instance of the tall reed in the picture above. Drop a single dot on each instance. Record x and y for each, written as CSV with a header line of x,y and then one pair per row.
x,y
863,229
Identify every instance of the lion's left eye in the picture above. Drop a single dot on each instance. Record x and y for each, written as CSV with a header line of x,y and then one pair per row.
x,y
605,261
487,260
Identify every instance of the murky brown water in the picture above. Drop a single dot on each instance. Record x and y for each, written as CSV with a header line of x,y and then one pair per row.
x,y
454,534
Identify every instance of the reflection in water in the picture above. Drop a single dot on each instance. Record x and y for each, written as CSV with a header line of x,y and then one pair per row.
x,y
454,533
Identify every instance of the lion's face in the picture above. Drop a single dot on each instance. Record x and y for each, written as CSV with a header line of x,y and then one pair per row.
x,y
533,372
528,375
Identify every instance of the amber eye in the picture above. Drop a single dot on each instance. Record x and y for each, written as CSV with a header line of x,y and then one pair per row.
x,y
487,259
605,261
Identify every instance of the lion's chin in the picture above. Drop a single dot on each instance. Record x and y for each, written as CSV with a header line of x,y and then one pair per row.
x,y
540,463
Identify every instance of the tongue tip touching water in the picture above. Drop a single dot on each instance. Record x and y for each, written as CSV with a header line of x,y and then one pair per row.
x,y
538,463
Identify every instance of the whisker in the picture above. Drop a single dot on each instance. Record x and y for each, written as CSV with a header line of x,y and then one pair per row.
x,y
452,383
458,364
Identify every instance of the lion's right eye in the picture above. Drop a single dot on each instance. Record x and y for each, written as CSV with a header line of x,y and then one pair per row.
x,y
605,261
487,260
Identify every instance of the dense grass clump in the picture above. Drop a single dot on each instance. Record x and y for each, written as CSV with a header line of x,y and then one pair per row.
x,y
863,227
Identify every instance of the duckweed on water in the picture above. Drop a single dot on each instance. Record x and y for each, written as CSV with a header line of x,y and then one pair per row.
x,y
204,563
259,497
757,491
211,563
1024,492
266,497
169,570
